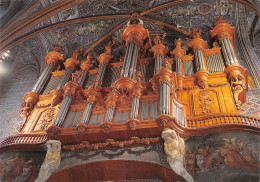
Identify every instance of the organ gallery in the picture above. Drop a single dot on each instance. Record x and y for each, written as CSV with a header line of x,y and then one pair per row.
x,y
140,106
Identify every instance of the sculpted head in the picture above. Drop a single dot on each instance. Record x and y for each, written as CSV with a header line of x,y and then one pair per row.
x,y
168,135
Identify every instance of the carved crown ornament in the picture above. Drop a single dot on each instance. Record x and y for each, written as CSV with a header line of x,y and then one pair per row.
x,y
178,52
159,49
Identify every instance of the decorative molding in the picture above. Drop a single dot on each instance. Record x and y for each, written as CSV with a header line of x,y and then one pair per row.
x,y
112,143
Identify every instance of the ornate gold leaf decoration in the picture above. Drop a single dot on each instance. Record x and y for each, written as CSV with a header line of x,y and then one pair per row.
x,y
205,100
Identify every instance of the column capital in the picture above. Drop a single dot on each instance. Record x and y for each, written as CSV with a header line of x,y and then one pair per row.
x,y
159,48
165,76
104,58
223,30
87,65
178,52
71,63
198,43
111,101
71,88
135,33
53,58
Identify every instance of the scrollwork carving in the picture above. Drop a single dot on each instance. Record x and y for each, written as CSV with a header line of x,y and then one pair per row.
x,y
205,101
112,143
46,119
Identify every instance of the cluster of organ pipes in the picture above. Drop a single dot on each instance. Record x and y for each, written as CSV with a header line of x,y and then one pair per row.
x,y
128,82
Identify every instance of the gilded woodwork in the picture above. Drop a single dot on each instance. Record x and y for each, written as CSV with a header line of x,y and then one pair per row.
x,y
29,101
209,101
159,48
86,66
135,33
223,30
54,57
56,97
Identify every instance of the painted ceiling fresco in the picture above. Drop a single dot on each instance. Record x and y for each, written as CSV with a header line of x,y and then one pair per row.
x,y
183,16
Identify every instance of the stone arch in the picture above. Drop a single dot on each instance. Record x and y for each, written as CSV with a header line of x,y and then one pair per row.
x,y
110,170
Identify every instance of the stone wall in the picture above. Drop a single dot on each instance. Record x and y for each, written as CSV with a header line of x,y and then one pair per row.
x,y
11,96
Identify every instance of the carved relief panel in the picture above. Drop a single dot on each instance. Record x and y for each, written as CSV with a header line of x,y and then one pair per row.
x,y
205,102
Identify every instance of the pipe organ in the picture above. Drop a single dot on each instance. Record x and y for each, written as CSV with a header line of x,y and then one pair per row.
x,y
138,95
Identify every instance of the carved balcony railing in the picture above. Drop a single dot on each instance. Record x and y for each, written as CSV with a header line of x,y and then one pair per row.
x,y
222,119
24,139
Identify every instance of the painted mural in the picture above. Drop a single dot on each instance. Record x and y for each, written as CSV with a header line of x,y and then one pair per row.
x,y
225,155
20,167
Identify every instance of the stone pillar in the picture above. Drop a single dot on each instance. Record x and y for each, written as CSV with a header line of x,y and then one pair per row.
x,y
70,66
174,148
178,54
198,45
93,91
235,72
70,90
31,98
51,162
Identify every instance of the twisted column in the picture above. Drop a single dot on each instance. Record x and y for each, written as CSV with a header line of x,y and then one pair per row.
x,y
198,45
178,53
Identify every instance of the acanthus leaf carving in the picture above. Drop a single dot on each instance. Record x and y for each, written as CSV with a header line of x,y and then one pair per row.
x,y
205,101
46,119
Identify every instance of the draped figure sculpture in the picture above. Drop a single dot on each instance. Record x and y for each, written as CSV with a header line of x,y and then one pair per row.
x,y
175,150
